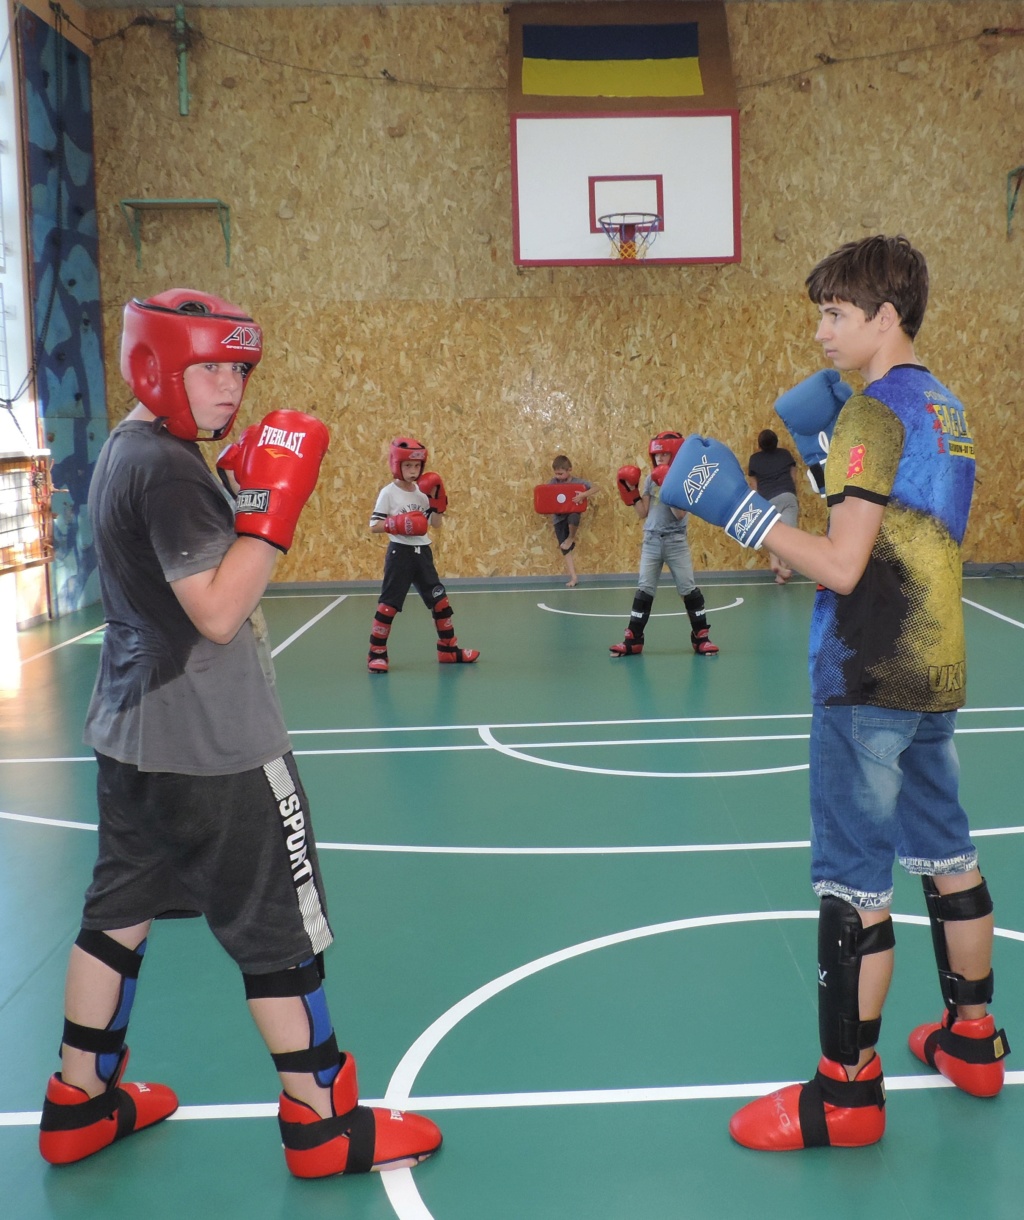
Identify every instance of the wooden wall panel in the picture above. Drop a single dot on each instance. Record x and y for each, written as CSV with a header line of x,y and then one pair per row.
x,y
371,235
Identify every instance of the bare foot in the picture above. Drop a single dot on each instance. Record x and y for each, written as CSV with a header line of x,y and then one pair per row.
x,y
783,575
571,584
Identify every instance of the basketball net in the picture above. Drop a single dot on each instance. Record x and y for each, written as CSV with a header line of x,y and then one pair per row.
x,y
630,233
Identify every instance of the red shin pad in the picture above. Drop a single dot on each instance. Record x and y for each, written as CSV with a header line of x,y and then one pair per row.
x,y
75,1126
969,1053
828,1111
356,1139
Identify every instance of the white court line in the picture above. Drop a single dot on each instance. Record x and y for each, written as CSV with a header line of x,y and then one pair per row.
x,y
485,732
306,626
487,736
399,1184
451,1103
995,614
414,849
57,647
619,615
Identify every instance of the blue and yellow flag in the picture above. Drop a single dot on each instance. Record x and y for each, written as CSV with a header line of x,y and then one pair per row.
x,y
652,60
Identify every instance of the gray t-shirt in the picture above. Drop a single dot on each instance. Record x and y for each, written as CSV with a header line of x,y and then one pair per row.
x,y
660,518
166,698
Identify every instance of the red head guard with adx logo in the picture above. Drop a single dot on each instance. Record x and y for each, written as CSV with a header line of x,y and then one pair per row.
x,y
166,333
405,449
665,442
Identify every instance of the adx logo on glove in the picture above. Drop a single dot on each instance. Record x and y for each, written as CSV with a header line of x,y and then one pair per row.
x,y
707,480
698,478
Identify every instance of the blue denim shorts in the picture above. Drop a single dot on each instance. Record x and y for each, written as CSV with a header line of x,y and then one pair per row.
x,y
884,787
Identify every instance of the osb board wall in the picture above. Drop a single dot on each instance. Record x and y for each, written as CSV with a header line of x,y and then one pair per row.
x,y
364,155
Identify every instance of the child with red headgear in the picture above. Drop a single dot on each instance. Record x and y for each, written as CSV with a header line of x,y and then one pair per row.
x,y
405,510
665,542
201,809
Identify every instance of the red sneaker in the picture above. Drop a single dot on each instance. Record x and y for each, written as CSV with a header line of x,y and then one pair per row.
x,y
356,1139
75,1125
969,1053
828,1111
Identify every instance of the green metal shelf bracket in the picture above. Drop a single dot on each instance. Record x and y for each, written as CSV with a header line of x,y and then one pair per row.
x,y
1013,184
132,209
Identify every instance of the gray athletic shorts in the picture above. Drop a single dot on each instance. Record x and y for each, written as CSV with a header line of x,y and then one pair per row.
x,y
236,849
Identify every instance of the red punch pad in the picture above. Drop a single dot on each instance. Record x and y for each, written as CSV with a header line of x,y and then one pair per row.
x,y
557,498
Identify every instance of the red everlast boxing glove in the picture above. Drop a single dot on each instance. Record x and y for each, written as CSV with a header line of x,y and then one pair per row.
x,y
276,464
407,525
432,486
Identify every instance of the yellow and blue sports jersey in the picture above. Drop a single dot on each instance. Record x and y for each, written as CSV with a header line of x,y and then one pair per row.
x,y
897,640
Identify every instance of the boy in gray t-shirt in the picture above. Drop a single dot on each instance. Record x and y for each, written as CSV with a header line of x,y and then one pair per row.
x,y
201,810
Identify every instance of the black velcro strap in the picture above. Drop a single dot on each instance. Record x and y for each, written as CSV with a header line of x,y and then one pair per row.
x,y
96,1041
127,1114
104,948
876,938
811,1110
822,1090
961,905
319,1058
73,1118
957,990
358,1126
300,980
969,1050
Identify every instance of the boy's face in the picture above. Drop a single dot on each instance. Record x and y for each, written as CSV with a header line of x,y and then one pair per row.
x,y
563,476
662,459
214,393
411,471
849,339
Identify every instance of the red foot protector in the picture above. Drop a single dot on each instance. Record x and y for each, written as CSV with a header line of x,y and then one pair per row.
x,y
356,1139
75,1125
828,1111
557,498
969,1053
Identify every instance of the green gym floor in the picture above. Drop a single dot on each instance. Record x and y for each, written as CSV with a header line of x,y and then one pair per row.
x,y
572,914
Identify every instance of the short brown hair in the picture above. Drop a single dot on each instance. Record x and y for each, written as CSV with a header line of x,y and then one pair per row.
x,y
561,463
869,272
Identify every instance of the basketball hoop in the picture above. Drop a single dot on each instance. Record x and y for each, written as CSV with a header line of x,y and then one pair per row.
x,y
631,233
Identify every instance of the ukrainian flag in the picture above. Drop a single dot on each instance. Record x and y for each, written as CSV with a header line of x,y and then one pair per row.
x,y
612,60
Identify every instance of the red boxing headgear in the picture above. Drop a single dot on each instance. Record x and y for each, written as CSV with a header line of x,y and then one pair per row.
x,y
405,449
165,334
665,442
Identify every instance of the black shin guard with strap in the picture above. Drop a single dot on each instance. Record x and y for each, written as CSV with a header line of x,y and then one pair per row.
x,y
975,903
694,603
305,982
640,613
107,1044
842,942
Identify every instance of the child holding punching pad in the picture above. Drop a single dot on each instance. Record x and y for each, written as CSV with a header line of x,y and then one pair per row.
x,y
888,673
201,809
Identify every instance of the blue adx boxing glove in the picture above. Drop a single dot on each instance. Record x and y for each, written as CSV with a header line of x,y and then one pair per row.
x,y
706,479
810,410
